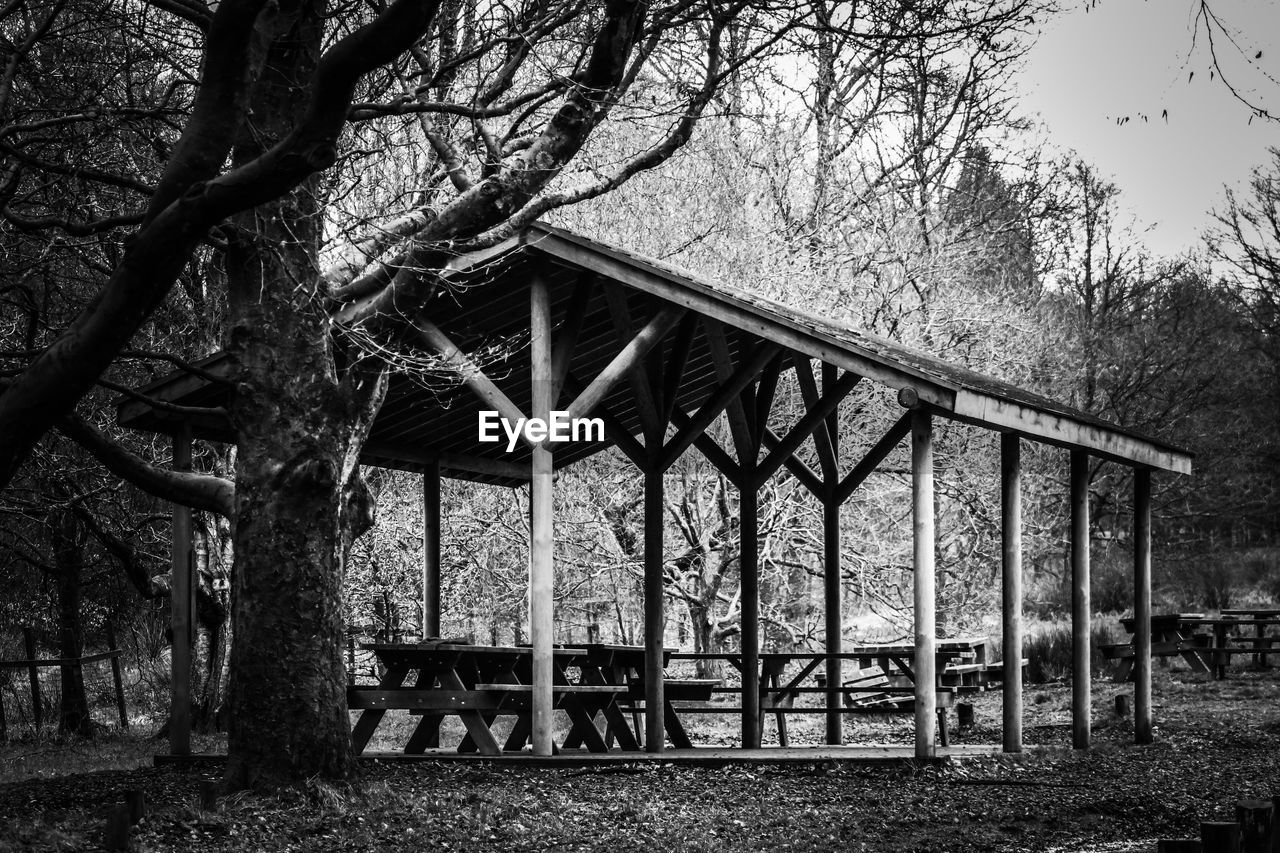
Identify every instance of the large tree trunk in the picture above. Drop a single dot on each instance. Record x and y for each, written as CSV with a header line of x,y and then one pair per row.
x,y
287,693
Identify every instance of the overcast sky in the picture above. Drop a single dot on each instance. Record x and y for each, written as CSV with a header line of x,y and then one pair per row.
x,y
1137,58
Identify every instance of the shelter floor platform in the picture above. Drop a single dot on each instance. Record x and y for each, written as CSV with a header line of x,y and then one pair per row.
x,y
865,754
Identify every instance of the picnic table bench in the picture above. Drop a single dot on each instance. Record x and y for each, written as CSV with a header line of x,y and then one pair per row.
x,y
886,681
1206,643
477,684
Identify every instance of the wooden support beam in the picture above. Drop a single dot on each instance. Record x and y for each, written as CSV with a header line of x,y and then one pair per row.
x,y
470,373
674,374
802,472
723,462
1081,675
654,610
824,436
1142,717
541,542
613,427
833,613
812,419
1011,587
728,391
641,381
926,697
744,441
570,329
766,388
181,593
749,578
431,550
626,361
874,457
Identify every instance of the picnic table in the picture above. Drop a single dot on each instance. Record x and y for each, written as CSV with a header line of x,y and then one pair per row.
x,y
1206,643
886,677
622,665
477,684
883,682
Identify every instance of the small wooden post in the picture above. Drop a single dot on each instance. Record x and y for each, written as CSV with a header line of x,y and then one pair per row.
x,y
926,690
834,615
542,544
1256,819
1220,836
748,527
116,833
964,714
1275,830
654,610
136,801
1122,705
431,550
117,678
180,590
1081,658
209,790
33,674
1142,716
1011,588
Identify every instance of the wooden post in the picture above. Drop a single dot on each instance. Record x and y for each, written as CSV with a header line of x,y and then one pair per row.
x,y
209,791
831,589
117,678
654,610
1011,575
136,800
541,543
833,586
33,674
1142,717
1256,819
926,689
180,591
431,550
1220,836
1081,675
748,511
1275,831
116,834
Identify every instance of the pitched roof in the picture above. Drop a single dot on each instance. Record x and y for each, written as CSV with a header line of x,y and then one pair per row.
x,y
486,302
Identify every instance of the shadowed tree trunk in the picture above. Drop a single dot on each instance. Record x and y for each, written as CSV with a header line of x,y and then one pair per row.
x,y
73,712
287,691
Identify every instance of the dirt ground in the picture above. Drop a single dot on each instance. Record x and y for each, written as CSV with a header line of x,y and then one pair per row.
x,y
1216,742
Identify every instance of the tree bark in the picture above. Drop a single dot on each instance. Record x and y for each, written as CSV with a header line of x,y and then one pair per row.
x,y
287,692
73,712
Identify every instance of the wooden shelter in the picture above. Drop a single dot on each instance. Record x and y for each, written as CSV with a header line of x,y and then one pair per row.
x,y
659,355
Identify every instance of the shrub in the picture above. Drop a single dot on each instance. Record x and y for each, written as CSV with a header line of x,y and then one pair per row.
x,y
1047,647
